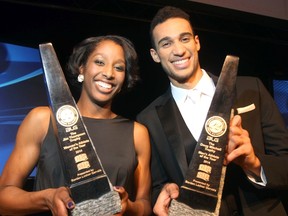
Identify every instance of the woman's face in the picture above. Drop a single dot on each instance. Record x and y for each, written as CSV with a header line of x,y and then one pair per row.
x,y
104,72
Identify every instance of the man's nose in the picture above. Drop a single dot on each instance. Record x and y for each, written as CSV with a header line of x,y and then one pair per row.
x,y
178,49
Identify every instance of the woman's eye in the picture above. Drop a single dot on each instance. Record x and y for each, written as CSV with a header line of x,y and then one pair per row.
x,y
120,68
98,62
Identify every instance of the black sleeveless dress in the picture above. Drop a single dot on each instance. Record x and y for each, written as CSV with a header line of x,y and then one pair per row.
x,y
114,143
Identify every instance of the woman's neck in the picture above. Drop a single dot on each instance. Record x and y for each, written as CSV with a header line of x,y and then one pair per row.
x,y
93,110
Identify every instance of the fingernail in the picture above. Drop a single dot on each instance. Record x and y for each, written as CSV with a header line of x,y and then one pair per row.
x,y
70,204
117,187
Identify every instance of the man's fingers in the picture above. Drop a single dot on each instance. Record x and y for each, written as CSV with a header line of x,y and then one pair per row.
x,y
236,121
173,190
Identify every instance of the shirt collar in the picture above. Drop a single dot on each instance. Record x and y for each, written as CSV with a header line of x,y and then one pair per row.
x,y
205,86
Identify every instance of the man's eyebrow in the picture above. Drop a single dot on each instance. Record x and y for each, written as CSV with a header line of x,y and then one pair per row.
x,y
186,34
181,35
163,39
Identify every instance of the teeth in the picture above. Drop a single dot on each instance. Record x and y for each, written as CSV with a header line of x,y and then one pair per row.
x,y
104,85
180,61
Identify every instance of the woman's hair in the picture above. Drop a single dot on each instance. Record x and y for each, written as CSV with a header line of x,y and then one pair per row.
x,y
83,50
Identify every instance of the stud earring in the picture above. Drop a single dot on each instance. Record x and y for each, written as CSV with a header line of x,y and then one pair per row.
x,y
80,78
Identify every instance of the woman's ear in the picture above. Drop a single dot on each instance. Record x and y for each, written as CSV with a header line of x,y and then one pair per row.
x,y
154,55
81,68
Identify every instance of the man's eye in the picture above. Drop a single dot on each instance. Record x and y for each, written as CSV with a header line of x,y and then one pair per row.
x,y
185,39
166,44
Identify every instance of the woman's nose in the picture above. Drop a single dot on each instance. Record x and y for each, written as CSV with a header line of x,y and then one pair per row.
x,y
108,72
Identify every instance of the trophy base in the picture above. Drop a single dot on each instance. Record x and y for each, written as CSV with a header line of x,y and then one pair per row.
x,y
107,204
177,208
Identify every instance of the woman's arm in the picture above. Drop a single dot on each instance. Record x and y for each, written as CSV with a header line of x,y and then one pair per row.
x,y
142,204
24,157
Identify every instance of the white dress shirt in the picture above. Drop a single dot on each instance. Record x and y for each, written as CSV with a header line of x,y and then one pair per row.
x,y
194,103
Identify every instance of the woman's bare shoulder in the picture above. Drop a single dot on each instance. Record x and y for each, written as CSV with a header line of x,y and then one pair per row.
x,y
39,115
40,112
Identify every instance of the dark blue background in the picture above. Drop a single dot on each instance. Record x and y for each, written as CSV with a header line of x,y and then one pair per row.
x,y
21,89
281,97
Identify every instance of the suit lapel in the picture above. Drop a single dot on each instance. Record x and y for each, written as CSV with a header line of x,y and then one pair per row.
x,y
174,131
214,78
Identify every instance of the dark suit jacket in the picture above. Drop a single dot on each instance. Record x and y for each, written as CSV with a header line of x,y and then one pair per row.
x,y
268,135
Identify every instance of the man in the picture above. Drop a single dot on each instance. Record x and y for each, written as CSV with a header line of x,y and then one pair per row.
x,y
257,150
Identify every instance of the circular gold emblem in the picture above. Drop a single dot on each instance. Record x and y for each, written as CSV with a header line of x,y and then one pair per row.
x,y
67,116
216,126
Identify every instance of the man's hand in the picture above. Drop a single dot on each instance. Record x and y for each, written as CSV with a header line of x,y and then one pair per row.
x,y
240,149
168,192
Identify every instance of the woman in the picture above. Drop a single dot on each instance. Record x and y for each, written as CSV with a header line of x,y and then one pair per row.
x,y
105,66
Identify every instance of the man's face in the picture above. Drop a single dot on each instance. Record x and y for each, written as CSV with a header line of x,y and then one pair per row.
x,y
177,51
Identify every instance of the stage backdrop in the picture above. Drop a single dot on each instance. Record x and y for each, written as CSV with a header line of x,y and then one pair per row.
x,y
21,88
280,87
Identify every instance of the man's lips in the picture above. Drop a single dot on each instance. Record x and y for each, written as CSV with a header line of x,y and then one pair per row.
x,y
182,63
179,62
